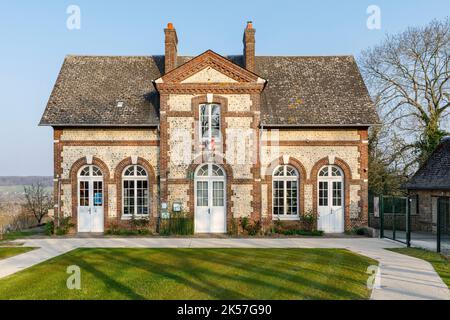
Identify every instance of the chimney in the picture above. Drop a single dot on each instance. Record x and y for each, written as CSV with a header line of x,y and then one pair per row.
x,y
171,41
249,47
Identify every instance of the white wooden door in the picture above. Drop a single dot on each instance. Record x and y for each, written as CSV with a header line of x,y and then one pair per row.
x,y
90,200
331,200
202,209
210,200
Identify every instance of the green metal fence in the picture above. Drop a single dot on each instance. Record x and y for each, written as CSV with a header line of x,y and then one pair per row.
x,y
427,228
394,222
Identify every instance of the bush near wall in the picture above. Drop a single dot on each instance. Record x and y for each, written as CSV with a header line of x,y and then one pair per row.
x,y
306,226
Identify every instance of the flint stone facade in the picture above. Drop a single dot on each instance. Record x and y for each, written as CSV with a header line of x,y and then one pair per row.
x,y
158,128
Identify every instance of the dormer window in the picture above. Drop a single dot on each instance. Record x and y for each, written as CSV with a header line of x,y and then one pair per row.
x,y
210,123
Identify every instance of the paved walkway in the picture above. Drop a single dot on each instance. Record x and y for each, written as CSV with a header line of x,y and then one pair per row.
x,y
402,277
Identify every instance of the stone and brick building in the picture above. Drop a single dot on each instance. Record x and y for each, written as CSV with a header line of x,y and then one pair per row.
x,y
216,137
429,184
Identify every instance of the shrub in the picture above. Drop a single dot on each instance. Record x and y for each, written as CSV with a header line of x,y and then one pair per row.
x,y
139,223
127,232
50,228
244,223
253,228
65,224
309,220
360,231
300,232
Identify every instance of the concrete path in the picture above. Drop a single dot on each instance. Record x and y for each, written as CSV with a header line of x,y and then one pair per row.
x,y
401,277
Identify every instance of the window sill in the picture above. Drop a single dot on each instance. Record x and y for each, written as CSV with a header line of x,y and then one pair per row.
x,y
137,216
285,218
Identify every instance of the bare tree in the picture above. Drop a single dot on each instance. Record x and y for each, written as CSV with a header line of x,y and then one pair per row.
x,y
38,200
408,75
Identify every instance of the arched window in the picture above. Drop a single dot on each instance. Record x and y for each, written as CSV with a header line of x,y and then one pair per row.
x,y
285,192
135,194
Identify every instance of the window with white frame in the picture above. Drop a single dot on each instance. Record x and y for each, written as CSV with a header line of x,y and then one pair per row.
x,y
209,123
135,194
285,192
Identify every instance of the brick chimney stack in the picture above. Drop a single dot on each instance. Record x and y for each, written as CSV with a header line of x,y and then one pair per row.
x,y
171,42
249,47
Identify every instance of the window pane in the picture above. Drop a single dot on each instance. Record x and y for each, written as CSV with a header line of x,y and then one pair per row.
x,y
291,197
84,194
279,171
140,172
217,171
96,172
98,193
129,171
335,172
85,172
142,197
323,172
323,193
204,121
203,171
128,197
215,121
202,193
337,193
278,197
290,171
218,194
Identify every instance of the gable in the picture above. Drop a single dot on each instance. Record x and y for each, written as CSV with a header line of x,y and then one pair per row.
x,y
209,67
209,75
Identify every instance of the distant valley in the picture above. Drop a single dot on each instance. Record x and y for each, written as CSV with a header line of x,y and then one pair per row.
x,y
11,187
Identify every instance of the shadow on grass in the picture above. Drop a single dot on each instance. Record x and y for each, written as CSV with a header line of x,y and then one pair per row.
x,y
187,263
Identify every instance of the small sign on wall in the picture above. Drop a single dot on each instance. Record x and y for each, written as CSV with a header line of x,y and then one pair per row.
x,y
164,212
176,207
98,201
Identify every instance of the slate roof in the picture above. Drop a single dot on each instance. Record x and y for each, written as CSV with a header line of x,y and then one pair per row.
x,y
301,91
435,172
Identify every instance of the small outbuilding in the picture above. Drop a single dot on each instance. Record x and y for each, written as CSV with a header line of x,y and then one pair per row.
x,y
430,190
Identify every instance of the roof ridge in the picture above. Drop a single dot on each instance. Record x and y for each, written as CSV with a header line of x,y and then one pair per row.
x,y
110,56
193,56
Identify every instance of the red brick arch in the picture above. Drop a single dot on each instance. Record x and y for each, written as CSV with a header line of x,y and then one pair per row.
x,y
152,185
302,180
347,178
76,166
229,180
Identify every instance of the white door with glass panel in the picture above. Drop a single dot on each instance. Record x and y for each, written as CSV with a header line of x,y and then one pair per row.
x,y
90,199
210,199
331,199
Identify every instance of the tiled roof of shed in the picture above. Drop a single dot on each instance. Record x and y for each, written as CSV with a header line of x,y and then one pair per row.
x,y
435,172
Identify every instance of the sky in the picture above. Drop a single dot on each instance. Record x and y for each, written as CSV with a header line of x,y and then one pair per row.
x,y
34,39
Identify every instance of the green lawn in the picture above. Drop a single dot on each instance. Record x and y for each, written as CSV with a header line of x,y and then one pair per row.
x,y
6,252
196,274
13,235
440,263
